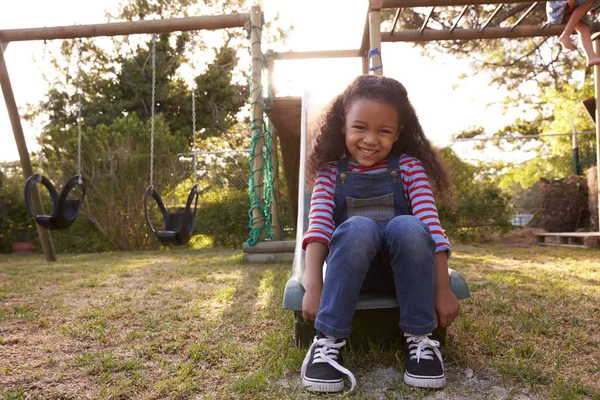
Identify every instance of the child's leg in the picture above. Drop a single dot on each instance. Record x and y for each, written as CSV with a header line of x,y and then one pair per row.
x,y
585,37
353,246
411,250
578,13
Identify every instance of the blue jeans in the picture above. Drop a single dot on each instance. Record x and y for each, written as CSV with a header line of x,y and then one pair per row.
x,y
353,246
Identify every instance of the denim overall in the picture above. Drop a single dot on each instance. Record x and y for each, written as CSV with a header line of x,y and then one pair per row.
x,y
377,246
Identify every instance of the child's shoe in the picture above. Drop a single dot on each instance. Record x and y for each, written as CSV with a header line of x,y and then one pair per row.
x,y
322,369
423,362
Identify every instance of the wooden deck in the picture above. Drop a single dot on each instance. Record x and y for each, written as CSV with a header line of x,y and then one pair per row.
x,y
568,239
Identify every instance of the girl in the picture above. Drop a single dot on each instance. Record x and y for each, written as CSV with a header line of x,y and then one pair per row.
x,y
573,13
372,201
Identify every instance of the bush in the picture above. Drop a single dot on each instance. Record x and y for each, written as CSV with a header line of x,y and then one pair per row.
x,y
481,209
223,214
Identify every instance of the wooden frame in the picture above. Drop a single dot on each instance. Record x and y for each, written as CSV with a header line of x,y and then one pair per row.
x,y
96,30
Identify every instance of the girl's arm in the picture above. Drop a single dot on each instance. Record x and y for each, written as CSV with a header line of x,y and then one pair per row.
x,y
316,239
445,302
316,252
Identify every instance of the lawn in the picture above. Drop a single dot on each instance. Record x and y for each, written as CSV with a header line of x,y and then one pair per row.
x,y
201,324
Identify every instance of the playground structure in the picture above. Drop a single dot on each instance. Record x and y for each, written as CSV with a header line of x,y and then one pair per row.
x,y
286,114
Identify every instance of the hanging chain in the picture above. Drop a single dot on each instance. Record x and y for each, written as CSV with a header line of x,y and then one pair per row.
x,y
152,106
41,155
79,111
195,161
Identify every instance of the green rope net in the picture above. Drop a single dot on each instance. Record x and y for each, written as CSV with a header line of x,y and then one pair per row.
x,y
263,174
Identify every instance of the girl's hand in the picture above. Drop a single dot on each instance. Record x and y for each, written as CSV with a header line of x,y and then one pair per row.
x,y
310,304
446,307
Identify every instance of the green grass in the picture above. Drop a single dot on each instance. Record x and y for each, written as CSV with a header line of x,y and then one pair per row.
x,y
185,324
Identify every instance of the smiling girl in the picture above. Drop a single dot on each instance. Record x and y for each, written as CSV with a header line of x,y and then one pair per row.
x,y
373,218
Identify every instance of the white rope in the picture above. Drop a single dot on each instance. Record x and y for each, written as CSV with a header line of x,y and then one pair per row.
x,y
195,162
79,113
41,155
152,106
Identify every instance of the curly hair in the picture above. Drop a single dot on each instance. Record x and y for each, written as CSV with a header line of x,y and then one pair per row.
x,y
330,144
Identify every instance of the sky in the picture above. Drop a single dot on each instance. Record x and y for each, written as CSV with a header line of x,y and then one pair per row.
x,y
445,104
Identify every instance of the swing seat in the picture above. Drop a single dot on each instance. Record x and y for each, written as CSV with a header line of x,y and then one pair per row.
x,y
64,210
178,226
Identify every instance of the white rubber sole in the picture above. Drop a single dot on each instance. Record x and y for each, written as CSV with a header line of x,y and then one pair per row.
x,y
323,386
434,382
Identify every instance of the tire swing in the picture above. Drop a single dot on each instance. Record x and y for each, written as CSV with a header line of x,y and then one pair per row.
x,y
178,226
64,210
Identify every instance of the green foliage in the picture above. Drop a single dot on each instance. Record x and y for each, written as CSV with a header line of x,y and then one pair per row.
x,y
81,237
223,214
16,223
526,67
481,208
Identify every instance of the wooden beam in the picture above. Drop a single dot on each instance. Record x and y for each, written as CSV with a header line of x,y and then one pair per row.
x,y
424,25
525,14
212,22
375,41
15,122
4,46
471,34
283,246
455,24
442,3
491,17
364,43
300,55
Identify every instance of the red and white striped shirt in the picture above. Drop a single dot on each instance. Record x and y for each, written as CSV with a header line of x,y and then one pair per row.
x,y
417,192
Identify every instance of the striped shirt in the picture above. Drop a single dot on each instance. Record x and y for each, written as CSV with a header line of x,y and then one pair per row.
x,y
417,192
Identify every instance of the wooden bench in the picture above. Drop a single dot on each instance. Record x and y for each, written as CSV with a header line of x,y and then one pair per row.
x,y
568,239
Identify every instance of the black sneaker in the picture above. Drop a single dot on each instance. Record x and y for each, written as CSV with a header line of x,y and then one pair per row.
x,y
423,363
322,369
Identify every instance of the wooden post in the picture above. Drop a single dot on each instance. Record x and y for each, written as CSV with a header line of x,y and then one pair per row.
x,y
365,65
15,122
597,119
375,40
274,158
257,114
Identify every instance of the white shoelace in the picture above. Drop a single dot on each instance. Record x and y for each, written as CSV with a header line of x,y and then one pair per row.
x,y
421,347
327,352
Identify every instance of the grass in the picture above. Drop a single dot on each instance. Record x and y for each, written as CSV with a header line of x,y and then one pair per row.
x,y
201,324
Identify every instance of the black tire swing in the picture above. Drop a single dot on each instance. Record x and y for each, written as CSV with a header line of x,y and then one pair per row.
x,y
178,226
64,210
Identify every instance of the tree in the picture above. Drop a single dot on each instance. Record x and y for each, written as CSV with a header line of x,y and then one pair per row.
x,y
526,67
116,90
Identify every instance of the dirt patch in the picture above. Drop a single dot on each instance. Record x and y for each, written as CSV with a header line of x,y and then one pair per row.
x,y
462,384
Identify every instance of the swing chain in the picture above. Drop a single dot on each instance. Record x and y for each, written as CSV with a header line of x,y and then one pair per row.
x,y
41,155
79,90
152,107
195,161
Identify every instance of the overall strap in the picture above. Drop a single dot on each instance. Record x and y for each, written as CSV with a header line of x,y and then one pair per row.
x,y
342,165
393,163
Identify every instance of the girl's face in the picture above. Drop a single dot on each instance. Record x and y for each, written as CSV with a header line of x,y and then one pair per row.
x,y
370,130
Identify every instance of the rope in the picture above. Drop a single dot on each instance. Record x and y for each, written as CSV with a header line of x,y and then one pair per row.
x,y
152,107
79,111
41,155
260,225
195,162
